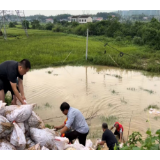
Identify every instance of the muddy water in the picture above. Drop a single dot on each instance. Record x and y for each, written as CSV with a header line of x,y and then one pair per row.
x,y
99,92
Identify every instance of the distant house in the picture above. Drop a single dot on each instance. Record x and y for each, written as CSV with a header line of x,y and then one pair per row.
x,y
50,20
81,19
63,20
145,18
96,19
113,16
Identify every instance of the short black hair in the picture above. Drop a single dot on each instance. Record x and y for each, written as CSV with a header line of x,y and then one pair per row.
x,y
25,63
64,106
105,126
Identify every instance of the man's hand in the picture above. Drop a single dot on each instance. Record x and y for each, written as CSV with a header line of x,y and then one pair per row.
x,y
57,128
23,97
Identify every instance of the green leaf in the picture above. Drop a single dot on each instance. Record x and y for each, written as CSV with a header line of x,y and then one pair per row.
x,y
149,132
158,132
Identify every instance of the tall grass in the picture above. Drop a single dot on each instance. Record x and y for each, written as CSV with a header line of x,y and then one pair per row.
x,y
46,48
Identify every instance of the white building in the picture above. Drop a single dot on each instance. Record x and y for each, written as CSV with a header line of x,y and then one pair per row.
x,y
50,20
81,19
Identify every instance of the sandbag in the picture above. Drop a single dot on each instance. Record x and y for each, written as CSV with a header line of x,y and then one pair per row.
x,y
27,129
35,121
18,138
5,127
20,113
45,137
35,147
76,147
29,143
89,143
44,148
61,142
21,126
2,108
5,145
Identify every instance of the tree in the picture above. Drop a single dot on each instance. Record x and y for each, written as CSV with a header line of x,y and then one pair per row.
x,y
35,24
11,25
49,26
25,24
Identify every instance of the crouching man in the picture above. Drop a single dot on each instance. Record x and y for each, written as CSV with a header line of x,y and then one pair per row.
x,y
76,121
108,137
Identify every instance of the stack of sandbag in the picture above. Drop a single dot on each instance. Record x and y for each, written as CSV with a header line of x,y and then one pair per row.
x,y
22,129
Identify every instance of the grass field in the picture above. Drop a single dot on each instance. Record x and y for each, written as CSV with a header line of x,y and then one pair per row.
x,y
46,48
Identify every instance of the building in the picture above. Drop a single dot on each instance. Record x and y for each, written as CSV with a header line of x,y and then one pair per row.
x,y
50,20
81,19
145,18
97,19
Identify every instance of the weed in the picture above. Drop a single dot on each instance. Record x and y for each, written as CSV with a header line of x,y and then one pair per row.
x,y
8,99
123,101
151,106
109,120
49,126
48,105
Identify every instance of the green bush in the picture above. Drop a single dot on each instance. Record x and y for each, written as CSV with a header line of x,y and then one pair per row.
x,y
138,40
11,25
49,26
118,38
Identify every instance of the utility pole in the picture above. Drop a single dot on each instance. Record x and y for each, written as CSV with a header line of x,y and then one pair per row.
x,y
87,45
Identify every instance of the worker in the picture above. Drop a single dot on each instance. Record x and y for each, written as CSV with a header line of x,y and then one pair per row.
x,y
118,130
76,121
9,72
108,137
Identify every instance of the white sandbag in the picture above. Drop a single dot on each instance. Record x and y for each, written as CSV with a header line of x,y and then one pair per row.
x,y
35,147
76,141
45,137
21,126
61,142
2,108
35,121
5,145
89,143
5,127
44,148
27,129
20,114
29,143
19,103
18,138
76,147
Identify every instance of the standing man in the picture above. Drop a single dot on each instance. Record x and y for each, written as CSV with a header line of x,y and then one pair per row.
x,y
76,121
108,137
118,131
9,72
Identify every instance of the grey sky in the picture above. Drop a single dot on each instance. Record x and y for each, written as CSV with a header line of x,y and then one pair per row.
x,y
56,12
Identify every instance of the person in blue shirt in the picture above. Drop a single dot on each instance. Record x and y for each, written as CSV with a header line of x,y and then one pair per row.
x,y
75,121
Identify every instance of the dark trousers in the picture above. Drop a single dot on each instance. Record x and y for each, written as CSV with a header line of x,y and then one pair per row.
x,y
74,134
117,133
6,86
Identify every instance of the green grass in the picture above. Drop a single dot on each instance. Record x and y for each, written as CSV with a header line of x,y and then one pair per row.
x,y
123,101
49,126
46,48
109,120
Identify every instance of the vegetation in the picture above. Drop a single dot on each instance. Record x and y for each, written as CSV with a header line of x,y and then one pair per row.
x,y
8,99
135,142
151,106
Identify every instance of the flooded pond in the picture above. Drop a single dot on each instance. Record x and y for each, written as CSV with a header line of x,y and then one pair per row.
x,y
101,93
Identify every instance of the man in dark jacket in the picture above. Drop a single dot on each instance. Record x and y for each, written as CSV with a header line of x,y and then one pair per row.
x,y
108,137
9,72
